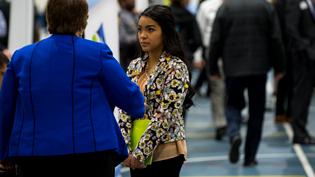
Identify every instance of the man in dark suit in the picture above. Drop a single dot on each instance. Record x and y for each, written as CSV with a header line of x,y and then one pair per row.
x,y
246,34
284,86
300,21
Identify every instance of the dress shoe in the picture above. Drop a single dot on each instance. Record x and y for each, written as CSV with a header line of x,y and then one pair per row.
x,y
234,154
250,163
283,119
308,140
220,132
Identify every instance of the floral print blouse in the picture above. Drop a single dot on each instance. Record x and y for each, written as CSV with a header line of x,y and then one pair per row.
x,y
164,94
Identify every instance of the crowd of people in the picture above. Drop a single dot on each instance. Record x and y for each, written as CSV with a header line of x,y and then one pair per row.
x,y
46,120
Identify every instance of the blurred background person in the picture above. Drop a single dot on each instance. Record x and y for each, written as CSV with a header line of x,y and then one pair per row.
x,y
300,26
47,121
127,32
4,22
283,88
246,35
205,18
187,27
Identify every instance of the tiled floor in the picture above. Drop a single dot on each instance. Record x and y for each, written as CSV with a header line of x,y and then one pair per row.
x,y
277,157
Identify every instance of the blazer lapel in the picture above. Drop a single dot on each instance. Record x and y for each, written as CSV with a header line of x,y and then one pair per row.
x,y
136,69
160,67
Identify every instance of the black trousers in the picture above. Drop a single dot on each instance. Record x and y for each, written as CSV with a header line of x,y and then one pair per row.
x,y
284,95
203,77
303,86
99,164
256,87
165,168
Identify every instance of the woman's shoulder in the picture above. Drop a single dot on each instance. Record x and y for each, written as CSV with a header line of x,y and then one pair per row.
x,y
26,48
92,44
134,67
20,54
177,64
135,61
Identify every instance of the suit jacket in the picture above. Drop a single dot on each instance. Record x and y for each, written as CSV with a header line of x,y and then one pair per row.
x,y
58,97
301,28
188,30
247,35
164,95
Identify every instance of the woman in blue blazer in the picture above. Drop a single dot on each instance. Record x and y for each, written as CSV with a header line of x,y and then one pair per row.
x,y
58,97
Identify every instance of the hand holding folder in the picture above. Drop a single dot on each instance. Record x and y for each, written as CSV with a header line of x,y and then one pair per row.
x,y
139,126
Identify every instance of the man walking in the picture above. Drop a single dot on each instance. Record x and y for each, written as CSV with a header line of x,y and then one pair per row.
x,y
246,34
300,21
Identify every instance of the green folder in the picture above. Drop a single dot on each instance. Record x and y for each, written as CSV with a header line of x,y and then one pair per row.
x,y
139,126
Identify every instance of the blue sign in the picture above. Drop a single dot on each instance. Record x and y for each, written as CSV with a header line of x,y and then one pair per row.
x,y
100,33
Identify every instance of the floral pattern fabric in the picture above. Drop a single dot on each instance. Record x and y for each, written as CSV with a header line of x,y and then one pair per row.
x,y
164,94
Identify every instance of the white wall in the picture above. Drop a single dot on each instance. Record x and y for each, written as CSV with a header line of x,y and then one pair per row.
x,y
141,5
21,24
41,5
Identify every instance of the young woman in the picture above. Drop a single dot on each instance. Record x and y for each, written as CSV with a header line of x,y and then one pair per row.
x,y
163,78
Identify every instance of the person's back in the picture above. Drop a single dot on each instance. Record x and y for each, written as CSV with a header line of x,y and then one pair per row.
x,y
64,87
58,97
248,28
187,27
300,28
246,34
205,18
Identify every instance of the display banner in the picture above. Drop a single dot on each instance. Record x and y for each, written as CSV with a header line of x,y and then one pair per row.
x,y
103,23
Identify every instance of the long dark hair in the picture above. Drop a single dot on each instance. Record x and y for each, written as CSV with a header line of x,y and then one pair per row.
x,y
171,41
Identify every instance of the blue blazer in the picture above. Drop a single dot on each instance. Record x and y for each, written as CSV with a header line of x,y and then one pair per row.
x,y
58,97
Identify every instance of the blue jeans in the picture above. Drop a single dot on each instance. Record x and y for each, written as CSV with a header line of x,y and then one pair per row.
x,y
256,87
234,118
